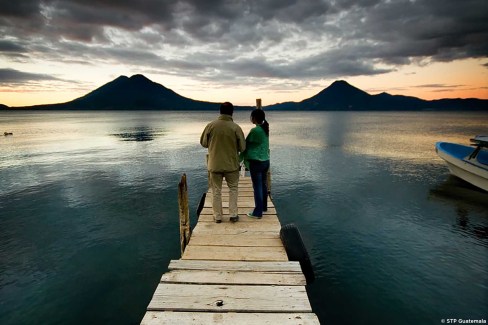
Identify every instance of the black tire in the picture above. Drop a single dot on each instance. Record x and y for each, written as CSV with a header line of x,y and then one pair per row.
x,y
201,204
296,251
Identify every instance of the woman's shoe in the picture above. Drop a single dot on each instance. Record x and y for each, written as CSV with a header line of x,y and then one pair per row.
x,y
250,215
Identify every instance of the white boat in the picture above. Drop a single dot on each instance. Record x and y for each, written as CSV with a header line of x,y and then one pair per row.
x,y
467,162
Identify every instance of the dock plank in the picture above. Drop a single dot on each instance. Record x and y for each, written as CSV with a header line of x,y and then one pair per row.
x,y
242,201
242,226
191,318
268,217
242,211
234,240
288,266
238,298
233,277
266,230
223,253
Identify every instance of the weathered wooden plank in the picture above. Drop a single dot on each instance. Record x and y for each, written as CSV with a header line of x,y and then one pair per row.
x,y
223,253
265,230
257,224
207,217
242,201
242,188
236,231
194,318
233,277
234,240
242,211
255,233
243,182
286,266
238,298
221,228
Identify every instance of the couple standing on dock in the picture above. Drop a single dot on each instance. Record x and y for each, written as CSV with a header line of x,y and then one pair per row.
x,y
226,147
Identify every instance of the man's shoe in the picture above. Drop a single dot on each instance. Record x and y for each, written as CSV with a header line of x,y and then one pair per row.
x,y
250,215
218,221
234,219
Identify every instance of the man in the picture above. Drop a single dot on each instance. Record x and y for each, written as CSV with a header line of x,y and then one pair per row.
x,y
224,140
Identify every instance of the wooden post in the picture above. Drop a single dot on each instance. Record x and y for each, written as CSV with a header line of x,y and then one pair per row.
x,y
258,103
184,213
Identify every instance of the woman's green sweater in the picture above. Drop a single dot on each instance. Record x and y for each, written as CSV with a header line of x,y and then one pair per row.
x,y
257,146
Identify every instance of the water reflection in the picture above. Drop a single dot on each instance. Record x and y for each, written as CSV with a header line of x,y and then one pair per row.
x,y
468,202
139,134
480,231
456,190
336,129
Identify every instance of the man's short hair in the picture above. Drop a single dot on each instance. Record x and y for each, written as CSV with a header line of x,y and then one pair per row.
x,y
227,108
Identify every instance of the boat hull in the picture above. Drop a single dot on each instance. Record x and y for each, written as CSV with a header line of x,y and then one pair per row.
x,y
456,156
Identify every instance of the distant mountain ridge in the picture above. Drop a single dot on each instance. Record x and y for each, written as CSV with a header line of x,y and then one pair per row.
x,y
134,93
140,93
341,96
137,92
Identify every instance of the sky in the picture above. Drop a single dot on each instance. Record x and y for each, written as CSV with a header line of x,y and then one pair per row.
x,y
54,51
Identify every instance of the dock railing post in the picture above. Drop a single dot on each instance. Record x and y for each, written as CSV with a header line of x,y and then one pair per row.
x,y
184,213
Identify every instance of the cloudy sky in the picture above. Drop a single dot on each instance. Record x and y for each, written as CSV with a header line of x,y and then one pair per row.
x,y
279,50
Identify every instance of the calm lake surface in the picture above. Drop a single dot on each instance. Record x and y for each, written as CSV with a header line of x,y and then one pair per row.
x,y
89,216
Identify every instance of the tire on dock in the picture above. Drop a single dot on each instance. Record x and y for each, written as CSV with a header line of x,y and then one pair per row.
x,y
296,250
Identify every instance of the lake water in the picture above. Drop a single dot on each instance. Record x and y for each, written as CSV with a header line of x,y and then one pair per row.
x,y
89,220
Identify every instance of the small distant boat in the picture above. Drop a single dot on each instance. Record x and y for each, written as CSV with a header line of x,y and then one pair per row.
x,y
466,162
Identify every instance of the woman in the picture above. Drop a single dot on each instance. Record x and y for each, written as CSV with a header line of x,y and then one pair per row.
x,y
256,158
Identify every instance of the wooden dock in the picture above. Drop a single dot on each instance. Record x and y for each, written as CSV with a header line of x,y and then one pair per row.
x,y
233,273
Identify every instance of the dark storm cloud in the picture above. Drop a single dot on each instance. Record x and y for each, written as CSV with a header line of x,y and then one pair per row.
x,y
284,39
20,9
10,46
15,76
443,30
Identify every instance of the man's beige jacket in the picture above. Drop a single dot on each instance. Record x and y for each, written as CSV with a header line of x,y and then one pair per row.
x,y
224,140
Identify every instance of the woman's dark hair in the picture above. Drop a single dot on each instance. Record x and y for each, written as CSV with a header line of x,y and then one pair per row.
x,y
260,118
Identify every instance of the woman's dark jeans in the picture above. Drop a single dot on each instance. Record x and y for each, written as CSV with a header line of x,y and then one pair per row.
x,y
259,177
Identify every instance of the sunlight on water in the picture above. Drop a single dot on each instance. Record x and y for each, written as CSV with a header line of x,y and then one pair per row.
x,y
402,136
